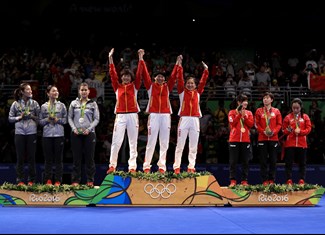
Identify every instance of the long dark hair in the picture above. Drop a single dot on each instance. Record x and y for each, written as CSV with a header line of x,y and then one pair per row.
x,y
49,87
298,101
18,93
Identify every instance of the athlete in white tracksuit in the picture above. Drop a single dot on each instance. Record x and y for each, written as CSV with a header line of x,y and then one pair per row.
x,y
126,110
189,112
160,109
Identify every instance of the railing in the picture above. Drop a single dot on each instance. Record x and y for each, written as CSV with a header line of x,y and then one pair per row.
x,y
285,94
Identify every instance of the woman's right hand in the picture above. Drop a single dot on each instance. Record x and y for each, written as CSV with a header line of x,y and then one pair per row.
x,y
204,65
140,53
179,60
111,52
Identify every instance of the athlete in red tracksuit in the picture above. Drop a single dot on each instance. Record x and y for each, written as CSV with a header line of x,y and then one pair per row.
x,y
268,121
126,110
189,112
159,108
296,127
240,122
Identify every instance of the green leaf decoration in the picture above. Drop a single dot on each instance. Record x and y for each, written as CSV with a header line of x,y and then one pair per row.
x,y
6,199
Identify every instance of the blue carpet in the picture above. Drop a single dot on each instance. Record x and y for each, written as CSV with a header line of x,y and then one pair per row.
x,y
163,220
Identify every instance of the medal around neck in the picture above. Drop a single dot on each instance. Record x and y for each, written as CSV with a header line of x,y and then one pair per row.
x,y
51,117
268,131
81,120
27,115
80,131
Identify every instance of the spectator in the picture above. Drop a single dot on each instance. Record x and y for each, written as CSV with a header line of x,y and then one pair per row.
x,y
245,86
230,86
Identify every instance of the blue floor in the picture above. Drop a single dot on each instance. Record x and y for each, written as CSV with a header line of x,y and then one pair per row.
x,y
163,220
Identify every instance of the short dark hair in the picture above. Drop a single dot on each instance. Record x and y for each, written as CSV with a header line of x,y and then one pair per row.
x,y
163,73
268,94
127,71
242,97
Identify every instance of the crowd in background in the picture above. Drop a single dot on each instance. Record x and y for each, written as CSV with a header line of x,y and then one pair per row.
x,y
68,68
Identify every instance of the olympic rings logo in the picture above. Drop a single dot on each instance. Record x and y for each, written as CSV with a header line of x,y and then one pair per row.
x,y
160,190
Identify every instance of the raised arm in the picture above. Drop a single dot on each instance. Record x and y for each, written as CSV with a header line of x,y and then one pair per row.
x,y
138,75
110,56
203,79
175,73
112,70
144,70
179,75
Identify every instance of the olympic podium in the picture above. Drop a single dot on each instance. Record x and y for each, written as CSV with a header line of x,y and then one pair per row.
x,y
116,190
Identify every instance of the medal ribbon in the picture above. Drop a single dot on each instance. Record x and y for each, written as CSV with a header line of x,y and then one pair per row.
x,y
267,118
297,120
242,123
83,107
51,109
26,108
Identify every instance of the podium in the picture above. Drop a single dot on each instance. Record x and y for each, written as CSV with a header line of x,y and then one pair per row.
x,y
116,190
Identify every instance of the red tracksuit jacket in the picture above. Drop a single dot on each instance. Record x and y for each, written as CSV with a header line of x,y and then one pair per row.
x,y
304,124
126,94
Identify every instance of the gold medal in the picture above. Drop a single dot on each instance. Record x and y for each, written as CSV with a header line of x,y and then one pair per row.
x,y
242,129
51,117
297,130
268,131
